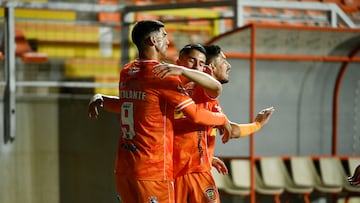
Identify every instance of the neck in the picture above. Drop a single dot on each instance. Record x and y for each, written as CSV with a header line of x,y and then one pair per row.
x,y
149,53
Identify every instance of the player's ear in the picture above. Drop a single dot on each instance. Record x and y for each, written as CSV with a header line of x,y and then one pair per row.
x,y
151,40
212,67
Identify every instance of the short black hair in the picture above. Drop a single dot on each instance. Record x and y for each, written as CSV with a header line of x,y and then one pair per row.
x,y
189,47
213,51
143,28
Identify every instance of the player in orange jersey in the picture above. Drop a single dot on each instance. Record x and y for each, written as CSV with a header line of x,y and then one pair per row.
x,y
144,167
193,144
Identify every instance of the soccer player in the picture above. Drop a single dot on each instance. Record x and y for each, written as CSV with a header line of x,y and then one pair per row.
x,y
144,162
194,145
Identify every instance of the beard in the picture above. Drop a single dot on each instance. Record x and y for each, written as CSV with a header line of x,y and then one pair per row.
x,y
224,81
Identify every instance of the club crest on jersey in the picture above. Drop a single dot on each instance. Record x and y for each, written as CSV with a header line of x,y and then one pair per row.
x,y
182,90
133,70
210,193
153,199
217,108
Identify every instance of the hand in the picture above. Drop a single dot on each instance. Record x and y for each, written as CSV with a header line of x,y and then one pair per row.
x,y
208,70
219,165
163,70
264,115
95,102
225,136
355,179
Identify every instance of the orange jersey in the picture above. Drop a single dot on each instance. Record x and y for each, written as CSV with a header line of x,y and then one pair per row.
x,y
147,108
193,143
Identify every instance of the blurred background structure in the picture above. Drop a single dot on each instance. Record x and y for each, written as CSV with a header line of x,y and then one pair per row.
x,y
300,56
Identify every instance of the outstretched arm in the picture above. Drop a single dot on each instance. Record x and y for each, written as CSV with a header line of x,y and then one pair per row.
x,y
202,79
109,103
241,130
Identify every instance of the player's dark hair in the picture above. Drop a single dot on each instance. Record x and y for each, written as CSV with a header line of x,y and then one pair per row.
x,y
143,28
213,51
189,47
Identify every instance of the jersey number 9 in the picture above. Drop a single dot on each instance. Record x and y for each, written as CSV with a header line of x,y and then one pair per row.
x,y
127,120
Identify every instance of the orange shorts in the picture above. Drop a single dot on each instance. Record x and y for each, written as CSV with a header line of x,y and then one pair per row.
x,y
195,188
144,191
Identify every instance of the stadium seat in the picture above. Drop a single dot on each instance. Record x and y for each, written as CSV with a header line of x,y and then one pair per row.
x,y
333,173
290,13
24,50
241,178
262,189
240,172
275,174
22,45
107,16
34,57
268,11
353,162
224,184
332,1
350,200
304,174
350,6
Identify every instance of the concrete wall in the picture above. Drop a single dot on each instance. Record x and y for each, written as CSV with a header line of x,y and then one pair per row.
x,y
302,93
87,150
29,169
58,155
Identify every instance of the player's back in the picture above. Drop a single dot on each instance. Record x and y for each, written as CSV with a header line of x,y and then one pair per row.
x,y
146,140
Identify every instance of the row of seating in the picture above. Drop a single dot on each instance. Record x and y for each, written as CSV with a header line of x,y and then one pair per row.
x,y
298,175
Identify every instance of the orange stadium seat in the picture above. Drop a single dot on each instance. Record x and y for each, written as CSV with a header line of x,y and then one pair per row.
x,y
311,0
34,57
291,12
270,22
295,23
24,50
247,10
313,13
268,11
332,1
350,6
22,45
106,16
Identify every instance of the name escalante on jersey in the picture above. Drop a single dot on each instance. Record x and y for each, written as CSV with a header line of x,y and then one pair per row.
x,y
132,94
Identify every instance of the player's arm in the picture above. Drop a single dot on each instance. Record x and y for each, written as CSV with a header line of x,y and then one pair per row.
x,y
212,86
200,115
241,130
174,93
205,117
109,103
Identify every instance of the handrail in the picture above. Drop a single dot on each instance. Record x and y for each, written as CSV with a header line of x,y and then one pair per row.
x,y
332,8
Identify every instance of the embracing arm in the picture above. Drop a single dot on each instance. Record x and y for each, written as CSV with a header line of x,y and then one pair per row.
x,y
202,79
205,117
